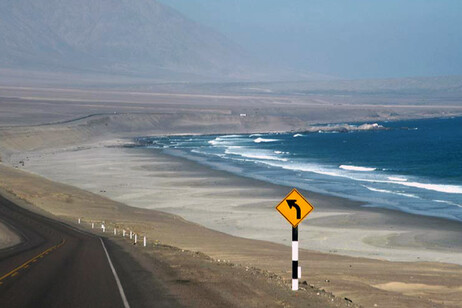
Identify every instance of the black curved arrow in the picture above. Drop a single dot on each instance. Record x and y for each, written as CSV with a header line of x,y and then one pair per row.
x,y
291,204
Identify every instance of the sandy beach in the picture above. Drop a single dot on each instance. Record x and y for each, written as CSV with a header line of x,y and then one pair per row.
x,y
244,207
233,218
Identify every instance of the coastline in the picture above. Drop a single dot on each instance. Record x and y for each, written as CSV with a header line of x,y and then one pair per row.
x,y
244,207
368,282
181,203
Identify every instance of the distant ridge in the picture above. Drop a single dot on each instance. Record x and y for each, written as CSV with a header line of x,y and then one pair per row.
x,y
133,37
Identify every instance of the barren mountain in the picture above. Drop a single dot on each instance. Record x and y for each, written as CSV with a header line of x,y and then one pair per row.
x,y
136,37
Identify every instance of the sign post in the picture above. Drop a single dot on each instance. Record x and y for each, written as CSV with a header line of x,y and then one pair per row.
x,y
295,258
294,207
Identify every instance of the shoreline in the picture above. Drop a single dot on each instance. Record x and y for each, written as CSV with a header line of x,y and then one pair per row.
x,y
178,153
139,177
335,203
365,281
436,194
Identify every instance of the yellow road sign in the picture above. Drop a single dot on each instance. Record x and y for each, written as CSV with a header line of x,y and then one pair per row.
x,y
294,207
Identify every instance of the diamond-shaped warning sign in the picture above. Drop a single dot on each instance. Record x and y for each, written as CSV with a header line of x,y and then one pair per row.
x,y
294,207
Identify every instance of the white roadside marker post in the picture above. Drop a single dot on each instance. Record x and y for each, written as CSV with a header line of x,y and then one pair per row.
x,y
295,267
92,225
136,238
144,241
103,227
79,221
115,231
123,232
131,234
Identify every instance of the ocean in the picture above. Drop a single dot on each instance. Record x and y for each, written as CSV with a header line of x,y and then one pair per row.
x,y
413,166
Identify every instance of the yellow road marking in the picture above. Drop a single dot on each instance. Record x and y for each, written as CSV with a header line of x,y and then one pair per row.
x,y
34,259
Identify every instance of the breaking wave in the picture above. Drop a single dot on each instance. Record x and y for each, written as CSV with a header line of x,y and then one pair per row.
x,y
390,192
260,140
356,168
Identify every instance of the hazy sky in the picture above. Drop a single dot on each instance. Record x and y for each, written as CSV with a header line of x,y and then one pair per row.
x,y
345,38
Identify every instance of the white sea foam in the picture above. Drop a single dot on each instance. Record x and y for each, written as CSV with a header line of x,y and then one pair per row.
x,y
266,157
449,189
233,150
372,177
223,140
298,135
230,136
207,153
390,192
448,202
259,140
214,141
395,178
356,168
303,167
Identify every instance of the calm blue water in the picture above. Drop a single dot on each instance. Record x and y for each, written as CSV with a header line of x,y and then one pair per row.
x,y
412,166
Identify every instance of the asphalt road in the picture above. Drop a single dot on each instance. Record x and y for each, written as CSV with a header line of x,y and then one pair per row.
x,y
55,265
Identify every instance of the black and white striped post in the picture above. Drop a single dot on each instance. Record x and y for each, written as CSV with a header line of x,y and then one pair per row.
x,y
294,207
295,259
